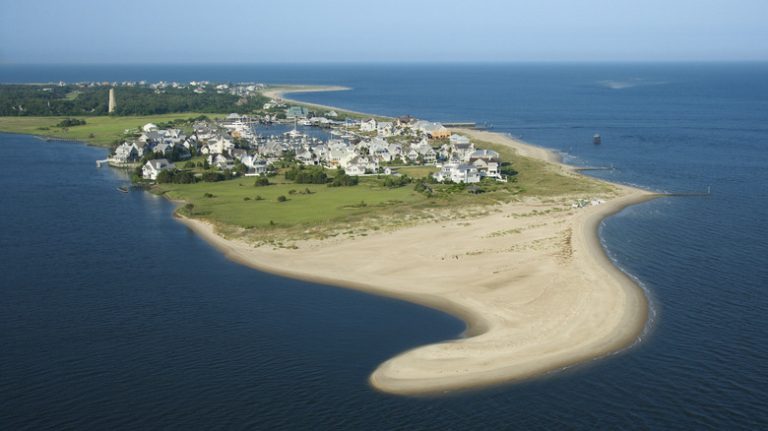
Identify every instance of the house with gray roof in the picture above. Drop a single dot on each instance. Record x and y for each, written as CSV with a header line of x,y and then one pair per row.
x,y
152,168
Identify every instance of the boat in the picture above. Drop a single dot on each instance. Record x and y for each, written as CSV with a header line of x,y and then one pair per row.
x,y
597,140
122,189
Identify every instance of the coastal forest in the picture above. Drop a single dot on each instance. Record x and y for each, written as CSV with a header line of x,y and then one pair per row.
x,y
87,100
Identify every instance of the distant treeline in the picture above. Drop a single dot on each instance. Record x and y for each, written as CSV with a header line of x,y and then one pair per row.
x,y
39,100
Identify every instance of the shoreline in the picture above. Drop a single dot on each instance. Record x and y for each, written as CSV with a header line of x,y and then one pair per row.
x,y
279,92
633,326
523,321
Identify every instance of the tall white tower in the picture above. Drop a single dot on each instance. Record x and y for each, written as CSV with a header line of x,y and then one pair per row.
x,y
112,102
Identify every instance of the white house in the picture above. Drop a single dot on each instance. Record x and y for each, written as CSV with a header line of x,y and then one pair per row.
x,y
355,170
152,168
458,139
163,149
126,153
487,155
385,128
458,173
461,147
306,157
221,161
427,153
255,165
220,145
368,125
149,127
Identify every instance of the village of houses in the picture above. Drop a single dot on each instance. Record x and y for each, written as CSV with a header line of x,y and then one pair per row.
x,y
359,147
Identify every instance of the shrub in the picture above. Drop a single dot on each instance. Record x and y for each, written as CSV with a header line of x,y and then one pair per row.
x,y
282,198
212,177
261,182
70,122
301,175
342,180
164,177
396,181
184,177
507,169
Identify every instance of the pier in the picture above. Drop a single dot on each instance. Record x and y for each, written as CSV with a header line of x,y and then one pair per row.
x,y
594,168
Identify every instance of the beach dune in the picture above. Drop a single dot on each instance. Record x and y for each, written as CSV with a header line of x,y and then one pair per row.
x,y
530,278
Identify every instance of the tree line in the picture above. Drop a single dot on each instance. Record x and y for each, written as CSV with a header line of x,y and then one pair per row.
x,y
70,100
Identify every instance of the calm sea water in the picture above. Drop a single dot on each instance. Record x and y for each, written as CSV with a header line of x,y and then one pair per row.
x,y
115,316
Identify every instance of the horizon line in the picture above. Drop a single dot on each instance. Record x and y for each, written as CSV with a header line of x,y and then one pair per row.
x,y
386,62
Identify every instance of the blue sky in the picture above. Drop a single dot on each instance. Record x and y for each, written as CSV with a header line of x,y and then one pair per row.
x,y
239,31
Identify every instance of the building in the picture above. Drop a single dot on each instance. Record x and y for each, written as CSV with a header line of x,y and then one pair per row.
x,y
432,130
112,101
152,168
128,153
458,173
295,112
368,125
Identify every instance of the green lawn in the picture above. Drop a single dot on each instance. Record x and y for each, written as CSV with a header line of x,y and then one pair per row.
x,y
415,171
324,205
102,130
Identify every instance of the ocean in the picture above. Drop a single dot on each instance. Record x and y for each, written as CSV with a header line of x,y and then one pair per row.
x,y
113,315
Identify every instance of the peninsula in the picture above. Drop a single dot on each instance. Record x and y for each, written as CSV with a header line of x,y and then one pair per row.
x,y
477,224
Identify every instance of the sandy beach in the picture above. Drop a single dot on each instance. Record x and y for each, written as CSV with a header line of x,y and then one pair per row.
x,y
531,280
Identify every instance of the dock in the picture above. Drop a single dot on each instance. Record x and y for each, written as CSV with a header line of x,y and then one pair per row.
x,y
464,125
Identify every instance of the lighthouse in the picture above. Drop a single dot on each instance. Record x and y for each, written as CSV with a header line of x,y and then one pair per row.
x,y
112,102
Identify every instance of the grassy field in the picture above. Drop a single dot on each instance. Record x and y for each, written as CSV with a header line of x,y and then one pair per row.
x,y
415,171
101,131
238,202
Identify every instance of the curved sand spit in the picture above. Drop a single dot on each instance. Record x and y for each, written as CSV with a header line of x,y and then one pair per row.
x,y
536,290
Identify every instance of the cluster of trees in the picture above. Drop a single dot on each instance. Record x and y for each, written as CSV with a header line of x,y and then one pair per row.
x,y
27,99
261,182
343,180
70,122
507,170
394,182
36,100
145,101
175,177
213,177
301,175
